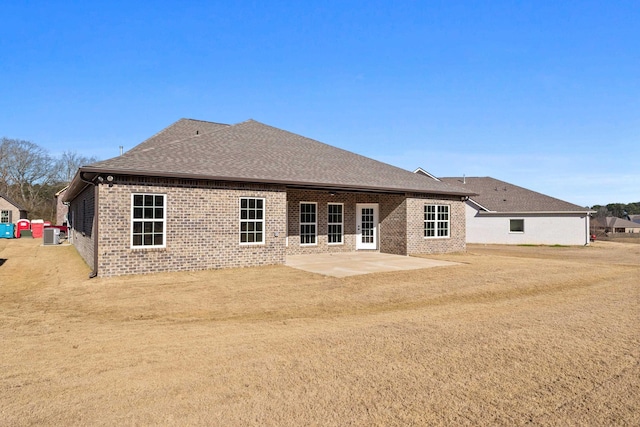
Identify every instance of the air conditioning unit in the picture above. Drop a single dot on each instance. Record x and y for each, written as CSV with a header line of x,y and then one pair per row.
x,y
51,236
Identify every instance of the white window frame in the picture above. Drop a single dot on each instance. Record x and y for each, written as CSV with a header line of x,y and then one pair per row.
x,y
341,223
437,223
511,231
252,221
314,224
153,220
5,217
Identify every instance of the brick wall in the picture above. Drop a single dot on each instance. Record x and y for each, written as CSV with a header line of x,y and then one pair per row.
x,y
202,226
61,209
81,233
391,216
417,243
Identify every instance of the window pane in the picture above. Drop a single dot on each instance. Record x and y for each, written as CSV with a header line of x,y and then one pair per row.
x,y
137,200
148,213
157,239
159,200
137,240
159,213
148,200
137,213
516,225
137,227
148,240
157,227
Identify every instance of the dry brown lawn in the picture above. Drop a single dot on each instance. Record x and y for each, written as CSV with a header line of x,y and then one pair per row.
x,y
512,336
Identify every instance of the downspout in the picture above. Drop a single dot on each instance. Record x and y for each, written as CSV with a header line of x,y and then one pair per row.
x,y
588,228
94,231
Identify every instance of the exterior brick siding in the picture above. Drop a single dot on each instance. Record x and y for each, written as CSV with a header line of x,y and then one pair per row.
x,y
390,230
417,243
202,227
400,228
81,212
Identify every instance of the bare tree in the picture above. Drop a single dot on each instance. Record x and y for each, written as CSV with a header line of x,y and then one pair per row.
x,y
68,164
24,169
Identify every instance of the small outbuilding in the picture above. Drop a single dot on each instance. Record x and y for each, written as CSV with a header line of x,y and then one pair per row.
x,y
10,211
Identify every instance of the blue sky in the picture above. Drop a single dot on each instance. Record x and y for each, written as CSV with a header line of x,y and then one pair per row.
x,y
542,94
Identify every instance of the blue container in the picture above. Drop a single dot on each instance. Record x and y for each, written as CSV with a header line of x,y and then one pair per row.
x,y
6,231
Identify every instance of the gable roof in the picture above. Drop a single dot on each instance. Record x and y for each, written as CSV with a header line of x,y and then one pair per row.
x,y
254,152
16,205
501,197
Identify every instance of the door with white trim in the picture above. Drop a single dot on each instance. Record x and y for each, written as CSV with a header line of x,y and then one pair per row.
x,y
367,226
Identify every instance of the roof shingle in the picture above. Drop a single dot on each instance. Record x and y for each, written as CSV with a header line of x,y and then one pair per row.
x,y
501,196
254,152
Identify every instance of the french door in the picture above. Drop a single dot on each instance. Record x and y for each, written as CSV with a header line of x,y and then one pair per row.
x,y
367,226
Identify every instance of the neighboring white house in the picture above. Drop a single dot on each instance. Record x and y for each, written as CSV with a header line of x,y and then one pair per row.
x,y
503,213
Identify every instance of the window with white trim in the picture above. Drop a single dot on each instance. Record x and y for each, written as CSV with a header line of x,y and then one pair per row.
x,y
436,221
334,223
148,220
5,217
516,225
251,220
308,223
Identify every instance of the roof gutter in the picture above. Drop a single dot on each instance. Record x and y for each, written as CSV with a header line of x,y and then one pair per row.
x,y
94,229
298,184
505,213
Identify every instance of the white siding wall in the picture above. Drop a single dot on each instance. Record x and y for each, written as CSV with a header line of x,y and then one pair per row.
x,y
538,229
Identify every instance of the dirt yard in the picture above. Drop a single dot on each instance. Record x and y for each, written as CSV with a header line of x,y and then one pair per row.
x,y
512,336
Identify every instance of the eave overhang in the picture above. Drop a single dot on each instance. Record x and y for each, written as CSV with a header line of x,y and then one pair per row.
x,y
91,174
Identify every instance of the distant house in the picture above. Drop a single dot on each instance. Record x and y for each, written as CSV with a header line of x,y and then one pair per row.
x,y
612,224
635,218
61,208
504,213
10,211
203,195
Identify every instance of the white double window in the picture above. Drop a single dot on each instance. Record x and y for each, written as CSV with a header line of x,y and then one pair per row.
x,y
148,220
436,221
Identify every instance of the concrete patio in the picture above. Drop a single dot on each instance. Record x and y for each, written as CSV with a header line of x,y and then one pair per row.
x,y
343,264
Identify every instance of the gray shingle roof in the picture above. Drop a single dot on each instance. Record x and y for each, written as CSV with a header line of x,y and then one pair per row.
x,y
183,128
254,152
500,196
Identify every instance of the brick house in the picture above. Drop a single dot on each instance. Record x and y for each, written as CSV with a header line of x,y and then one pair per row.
x,y
203,195
61,208
10,211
